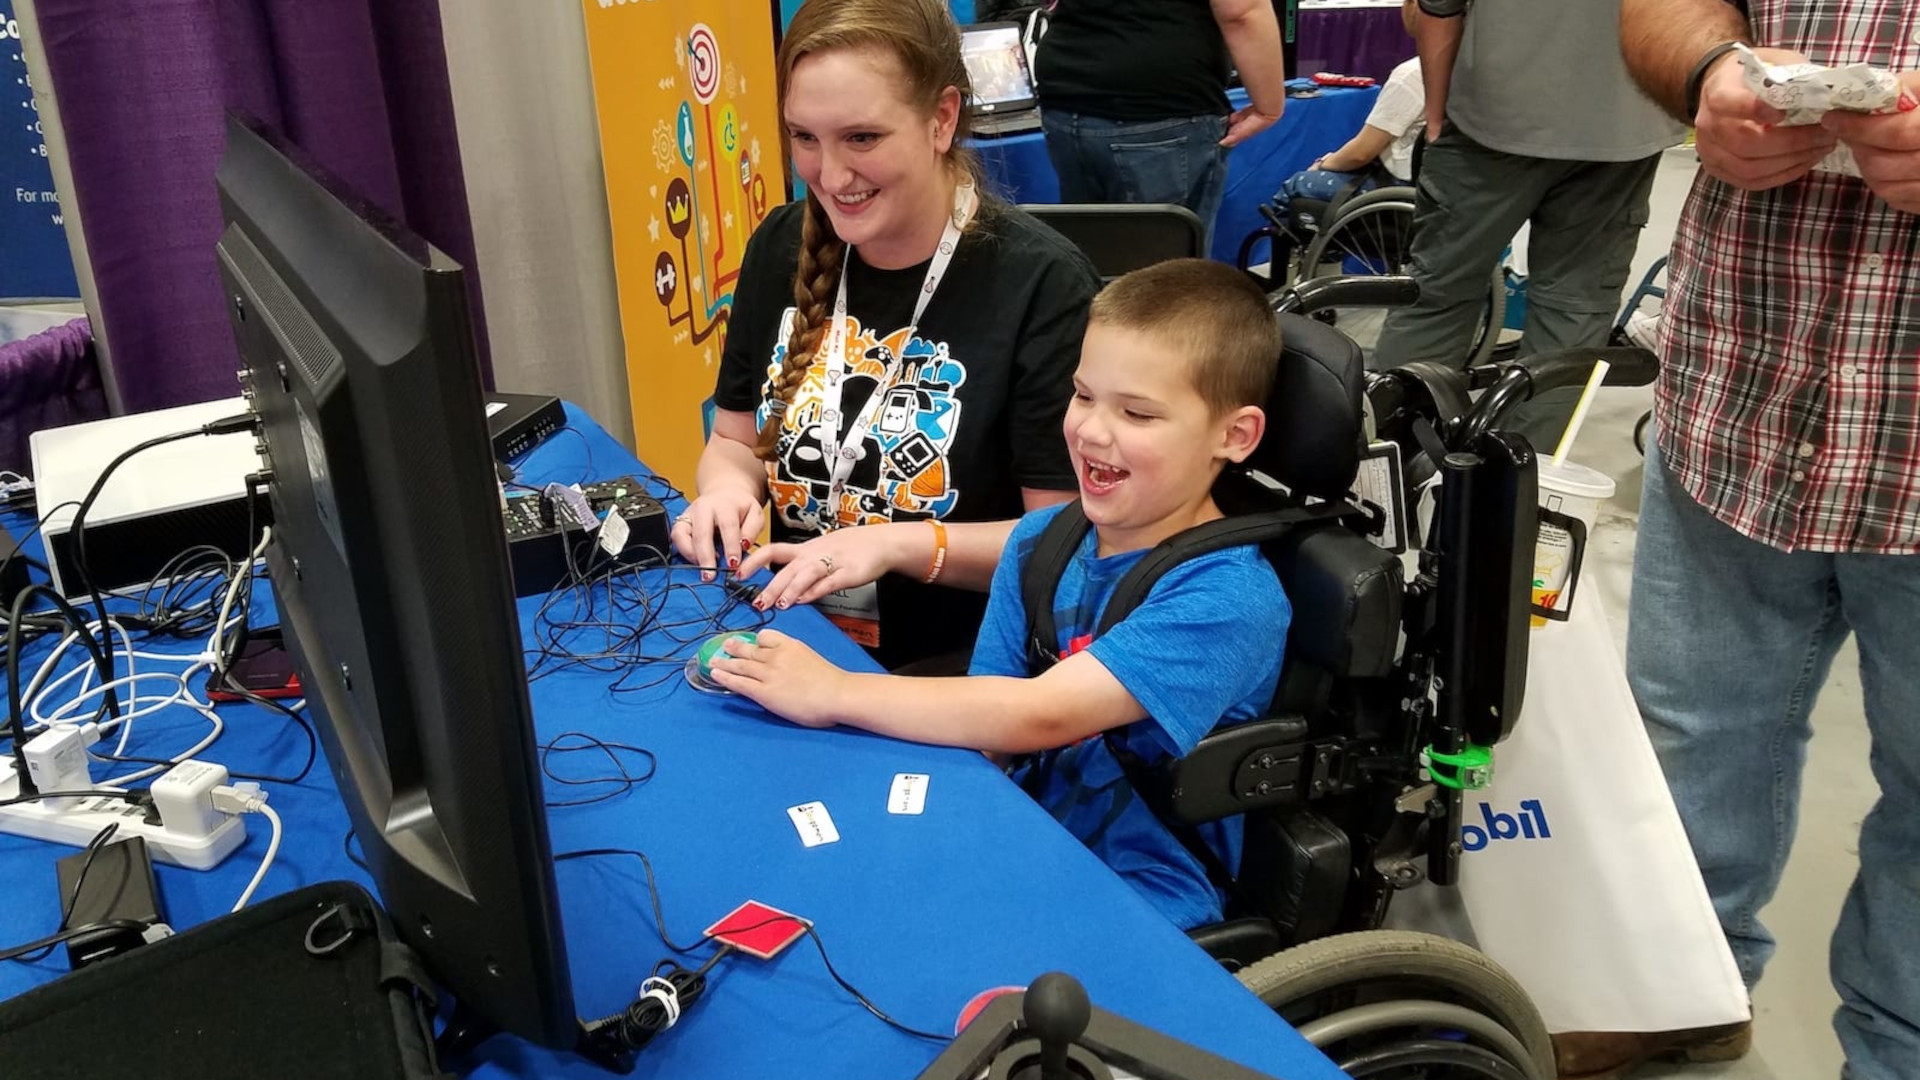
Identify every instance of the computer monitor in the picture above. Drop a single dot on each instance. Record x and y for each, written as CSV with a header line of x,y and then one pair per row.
x,y
996,62
389,566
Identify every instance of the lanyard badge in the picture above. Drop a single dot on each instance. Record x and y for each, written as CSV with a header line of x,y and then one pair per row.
x,y
845,455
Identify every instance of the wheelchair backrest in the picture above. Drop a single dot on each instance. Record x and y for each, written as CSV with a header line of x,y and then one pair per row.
x,y
1346,592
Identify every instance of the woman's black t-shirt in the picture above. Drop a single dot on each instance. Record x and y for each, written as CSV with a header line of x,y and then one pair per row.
x,y
972,416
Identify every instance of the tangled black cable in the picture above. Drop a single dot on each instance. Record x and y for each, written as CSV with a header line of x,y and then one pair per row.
x,y
189,586
668,993
615,785
610,619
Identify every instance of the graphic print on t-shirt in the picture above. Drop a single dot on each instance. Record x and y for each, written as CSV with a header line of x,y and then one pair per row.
x,y
904,472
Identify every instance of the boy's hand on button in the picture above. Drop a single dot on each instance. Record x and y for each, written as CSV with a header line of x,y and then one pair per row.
x,y
783,676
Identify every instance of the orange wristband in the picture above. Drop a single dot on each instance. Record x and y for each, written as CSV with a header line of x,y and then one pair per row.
x,y
939,551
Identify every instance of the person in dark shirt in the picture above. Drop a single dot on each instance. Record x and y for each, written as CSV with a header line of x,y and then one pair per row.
x,y
1133,96
901,345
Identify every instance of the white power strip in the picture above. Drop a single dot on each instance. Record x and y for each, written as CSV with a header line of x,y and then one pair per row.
x,y
79,819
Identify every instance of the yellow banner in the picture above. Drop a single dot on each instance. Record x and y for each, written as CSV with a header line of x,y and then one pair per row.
x,y
690,134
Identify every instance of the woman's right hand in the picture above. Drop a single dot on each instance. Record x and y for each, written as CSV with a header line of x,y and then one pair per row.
x,y
733,515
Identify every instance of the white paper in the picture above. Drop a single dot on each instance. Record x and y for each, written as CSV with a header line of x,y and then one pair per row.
x,y
1806,92
614,532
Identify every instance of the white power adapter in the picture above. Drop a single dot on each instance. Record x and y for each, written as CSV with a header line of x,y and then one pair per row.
x,y
184,797
57,758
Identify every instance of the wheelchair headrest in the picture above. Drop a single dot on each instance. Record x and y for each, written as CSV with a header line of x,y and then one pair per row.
x,y
1315,421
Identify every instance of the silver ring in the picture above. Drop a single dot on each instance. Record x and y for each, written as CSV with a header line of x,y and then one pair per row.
x,y
683,519
827,561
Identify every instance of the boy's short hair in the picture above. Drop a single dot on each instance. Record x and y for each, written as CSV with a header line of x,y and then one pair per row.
x,y
1209,313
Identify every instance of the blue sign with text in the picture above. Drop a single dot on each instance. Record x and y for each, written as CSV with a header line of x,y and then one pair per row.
x,y
34,260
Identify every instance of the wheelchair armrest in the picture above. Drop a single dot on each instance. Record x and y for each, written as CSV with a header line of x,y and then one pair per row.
x,y
1348,290
1247,767
1238,943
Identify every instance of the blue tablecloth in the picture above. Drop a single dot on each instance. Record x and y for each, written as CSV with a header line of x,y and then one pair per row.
x,y
920,912
1017,168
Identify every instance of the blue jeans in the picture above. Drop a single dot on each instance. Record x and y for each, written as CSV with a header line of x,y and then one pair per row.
x,y
1159,161
1321,185
1728,642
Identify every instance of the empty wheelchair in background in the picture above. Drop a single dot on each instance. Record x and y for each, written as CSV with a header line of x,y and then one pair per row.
x,y
1356,233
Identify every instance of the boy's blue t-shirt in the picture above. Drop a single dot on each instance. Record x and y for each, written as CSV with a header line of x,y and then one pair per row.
x,y
1202,650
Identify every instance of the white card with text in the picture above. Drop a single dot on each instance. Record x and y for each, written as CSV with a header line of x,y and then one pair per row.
x,y
909,795
814,824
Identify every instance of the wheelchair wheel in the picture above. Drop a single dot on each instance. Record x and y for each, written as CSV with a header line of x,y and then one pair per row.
x,y
1493,317
1374,230
1375,991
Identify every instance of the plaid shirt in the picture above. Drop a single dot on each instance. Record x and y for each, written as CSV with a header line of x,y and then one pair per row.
x,y
1789,396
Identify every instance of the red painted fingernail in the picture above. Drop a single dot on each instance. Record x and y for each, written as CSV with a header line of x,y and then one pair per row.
x,y
785,604
1907,102
733,562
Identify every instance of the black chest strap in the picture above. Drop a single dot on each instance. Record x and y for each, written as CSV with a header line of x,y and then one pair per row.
x,y
1054,550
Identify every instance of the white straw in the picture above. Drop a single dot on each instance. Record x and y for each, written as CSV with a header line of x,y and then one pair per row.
x,y
1580,412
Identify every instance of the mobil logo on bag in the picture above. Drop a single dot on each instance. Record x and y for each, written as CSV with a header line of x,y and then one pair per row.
x,y
1527,823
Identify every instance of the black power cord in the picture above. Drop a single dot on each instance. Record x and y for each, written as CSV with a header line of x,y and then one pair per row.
x,y
660,923
18,721
229,425
659,1007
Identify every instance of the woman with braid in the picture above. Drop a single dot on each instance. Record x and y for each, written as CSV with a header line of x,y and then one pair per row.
x,y
901,348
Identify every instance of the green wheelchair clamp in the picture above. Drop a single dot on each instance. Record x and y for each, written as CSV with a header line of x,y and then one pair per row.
x,y
1472,767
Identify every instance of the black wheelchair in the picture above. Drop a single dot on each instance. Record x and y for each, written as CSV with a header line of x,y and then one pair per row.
x,y
1393,690
1397,681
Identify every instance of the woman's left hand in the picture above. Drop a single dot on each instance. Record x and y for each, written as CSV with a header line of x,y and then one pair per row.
x,y
784,676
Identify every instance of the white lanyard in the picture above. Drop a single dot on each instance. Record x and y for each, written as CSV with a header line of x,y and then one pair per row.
x,y
845,456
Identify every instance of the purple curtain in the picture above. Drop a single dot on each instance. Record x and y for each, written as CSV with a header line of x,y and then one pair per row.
x,y
360,84
1353,41
47,380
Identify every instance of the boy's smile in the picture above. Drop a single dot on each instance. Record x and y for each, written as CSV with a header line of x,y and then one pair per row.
x,y
1145,446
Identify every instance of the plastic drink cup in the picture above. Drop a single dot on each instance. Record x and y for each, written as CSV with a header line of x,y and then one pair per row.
x,y
1570,498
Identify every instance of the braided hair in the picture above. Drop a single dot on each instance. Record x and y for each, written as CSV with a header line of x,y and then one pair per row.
x,y
922,36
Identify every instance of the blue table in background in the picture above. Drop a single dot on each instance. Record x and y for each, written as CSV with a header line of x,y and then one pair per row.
x,y
920,912
1017,167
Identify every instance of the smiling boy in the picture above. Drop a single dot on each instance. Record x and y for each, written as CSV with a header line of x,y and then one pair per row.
x,y
1177,361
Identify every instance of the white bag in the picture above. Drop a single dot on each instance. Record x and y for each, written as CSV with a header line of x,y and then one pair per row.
x,y
1578,878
